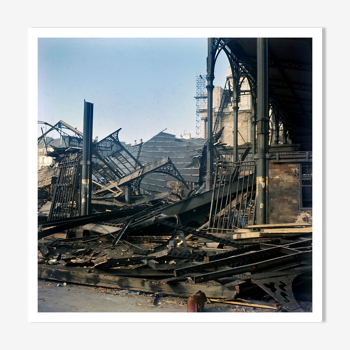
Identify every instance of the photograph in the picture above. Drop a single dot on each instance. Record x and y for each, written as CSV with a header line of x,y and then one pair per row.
x,y
174,173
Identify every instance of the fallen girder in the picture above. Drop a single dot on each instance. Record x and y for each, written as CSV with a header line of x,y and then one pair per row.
x,y
258,266
135,178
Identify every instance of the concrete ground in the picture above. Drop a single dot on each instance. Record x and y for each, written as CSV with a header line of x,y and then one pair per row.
x,y
57,297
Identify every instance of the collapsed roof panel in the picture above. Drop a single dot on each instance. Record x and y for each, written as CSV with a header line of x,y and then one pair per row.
x,y
116,158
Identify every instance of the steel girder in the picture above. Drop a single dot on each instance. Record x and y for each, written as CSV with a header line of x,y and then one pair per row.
x,y
115,156
134,179
279,285
257,266
59,128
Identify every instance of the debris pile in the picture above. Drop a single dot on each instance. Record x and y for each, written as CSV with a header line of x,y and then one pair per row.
x,y
143,248
161,240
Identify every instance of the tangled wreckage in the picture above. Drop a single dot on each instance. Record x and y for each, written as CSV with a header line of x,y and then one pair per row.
x,y
143,217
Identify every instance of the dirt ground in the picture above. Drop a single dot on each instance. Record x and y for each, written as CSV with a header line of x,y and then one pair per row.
x,y
57,297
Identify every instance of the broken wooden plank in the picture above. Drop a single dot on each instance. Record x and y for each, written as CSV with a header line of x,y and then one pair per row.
x,y
247,235
82,276
116,194
244,304
278,225
97,228
241,236
288,230
244,230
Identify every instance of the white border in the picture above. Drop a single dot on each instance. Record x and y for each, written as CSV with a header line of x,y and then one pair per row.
x,y
34,34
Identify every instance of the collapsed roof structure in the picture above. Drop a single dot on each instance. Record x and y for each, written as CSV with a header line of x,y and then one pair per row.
x,y
188,218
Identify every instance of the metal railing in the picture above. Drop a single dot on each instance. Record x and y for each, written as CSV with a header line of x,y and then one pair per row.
x,y
233,199
64,200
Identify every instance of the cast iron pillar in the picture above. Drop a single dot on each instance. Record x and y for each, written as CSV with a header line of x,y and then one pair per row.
x,y
209,134
277,131
262,130
86,169
253,124
127,193
235,82
284,134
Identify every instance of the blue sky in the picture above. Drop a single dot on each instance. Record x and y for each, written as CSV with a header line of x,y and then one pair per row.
x,y
142,85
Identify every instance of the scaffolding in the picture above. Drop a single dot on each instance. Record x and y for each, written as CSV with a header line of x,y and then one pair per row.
x,y
201,99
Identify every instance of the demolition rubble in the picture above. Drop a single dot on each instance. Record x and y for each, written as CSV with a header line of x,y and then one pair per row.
x,y
139,218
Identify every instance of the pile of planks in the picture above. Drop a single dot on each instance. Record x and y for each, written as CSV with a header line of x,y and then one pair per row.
x,y
273,230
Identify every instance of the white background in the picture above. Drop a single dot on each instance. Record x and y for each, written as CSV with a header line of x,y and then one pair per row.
x,y
17,17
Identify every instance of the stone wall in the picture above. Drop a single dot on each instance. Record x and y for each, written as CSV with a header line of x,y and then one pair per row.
x,y
243,127
284,195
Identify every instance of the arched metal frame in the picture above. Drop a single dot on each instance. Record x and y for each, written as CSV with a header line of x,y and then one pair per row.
x,y
168,169
215,47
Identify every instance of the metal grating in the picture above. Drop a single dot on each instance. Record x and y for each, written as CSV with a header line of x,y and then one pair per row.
x,y
64,202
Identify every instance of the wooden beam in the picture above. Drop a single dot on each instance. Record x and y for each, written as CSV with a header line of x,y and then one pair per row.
x,y
116,194
102,229
288,230
82,276
244,304
279,225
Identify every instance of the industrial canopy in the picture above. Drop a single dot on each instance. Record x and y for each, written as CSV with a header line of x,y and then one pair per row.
x,y
289,80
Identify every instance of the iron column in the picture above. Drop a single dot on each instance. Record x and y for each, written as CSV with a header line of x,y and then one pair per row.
x,y
210,87
253,123
86,171
235,82
127,193
277,131
262,130
284,133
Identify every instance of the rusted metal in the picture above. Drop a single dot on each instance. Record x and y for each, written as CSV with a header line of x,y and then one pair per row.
x,y
195,302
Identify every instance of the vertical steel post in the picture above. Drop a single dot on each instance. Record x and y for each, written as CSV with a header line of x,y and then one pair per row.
x,y
127,193
235,107
210,87
262,130
86,169
284,134
276,132
253,124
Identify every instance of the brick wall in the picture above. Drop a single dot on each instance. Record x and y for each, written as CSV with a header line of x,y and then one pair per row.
x,y
283,195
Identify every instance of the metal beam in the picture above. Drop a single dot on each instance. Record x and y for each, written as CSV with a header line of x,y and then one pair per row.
x,y
258,266
274,63
164,166
210,87
235,100
86,172
278,84
263,130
